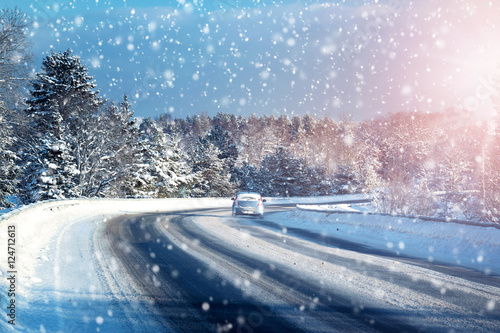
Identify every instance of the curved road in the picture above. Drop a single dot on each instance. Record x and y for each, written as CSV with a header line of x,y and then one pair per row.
x,y
204,271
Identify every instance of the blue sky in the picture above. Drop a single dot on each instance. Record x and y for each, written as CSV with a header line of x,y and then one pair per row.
x,y
295,57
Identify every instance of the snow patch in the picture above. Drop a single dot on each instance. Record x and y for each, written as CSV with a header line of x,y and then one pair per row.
x,y
460,243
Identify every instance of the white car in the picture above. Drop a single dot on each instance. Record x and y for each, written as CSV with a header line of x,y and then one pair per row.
x,y
248,203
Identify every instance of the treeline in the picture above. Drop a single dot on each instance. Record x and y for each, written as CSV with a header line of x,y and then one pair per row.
x,y
62,140
439,164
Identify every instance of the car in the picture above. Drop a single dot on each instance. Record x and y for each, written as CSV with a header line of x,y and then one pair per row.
x,y
248,203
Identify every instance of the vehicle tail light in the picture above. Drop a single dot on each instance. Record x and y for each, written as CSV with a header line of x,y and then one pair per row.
x,y
260,202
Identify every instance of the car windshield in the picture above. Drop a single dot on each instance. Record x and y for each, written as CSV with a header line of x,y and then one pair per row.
x,y
250,166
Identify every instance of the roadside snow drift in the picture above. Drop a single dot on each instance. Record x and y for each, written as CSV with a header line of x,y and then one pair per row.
x,y
58,249
469,245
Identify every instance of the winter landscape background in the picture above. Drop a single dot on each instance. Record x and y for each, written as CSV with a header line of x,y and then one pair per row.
x,y
62,138
371,128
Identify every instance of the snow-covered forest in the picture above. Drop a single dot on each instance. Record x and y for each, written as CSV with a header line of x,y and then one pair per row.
x,y
60,139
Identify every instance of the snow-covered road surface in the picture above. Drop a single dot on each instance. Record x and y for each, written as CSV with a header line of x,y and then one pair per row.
x,y
132,266
241,276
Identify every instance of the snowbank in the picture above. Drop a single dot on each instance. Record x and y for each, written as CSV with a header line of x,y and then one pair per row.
x,y
50,237
317,200
469,245
36,223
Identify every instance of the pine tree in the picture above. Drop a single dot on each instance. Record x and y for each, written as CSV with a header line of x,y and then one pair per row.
x,y
107,151
251,146
213,161
15,58
213,172
162,171
63,108
280,170
139,182
122,151
248,178
9,170
15,61
491,169
492,204
173,173
228,150
62,96
283,174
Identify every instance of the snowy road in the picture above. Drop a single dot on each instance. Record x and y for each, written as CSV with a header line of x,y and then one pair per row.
x,y
187,265
206,271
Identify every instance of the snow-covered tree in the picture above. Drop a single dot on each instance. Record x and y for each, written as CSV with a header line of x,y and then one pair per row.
x,y
213,160
248,177
63,108
492,202
15,57
9,171
62,95
284,175
49,170
108,151
229,123
162,171
296,129
314,181
227,148
249,144
15,61
172,170
212,174
491,170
